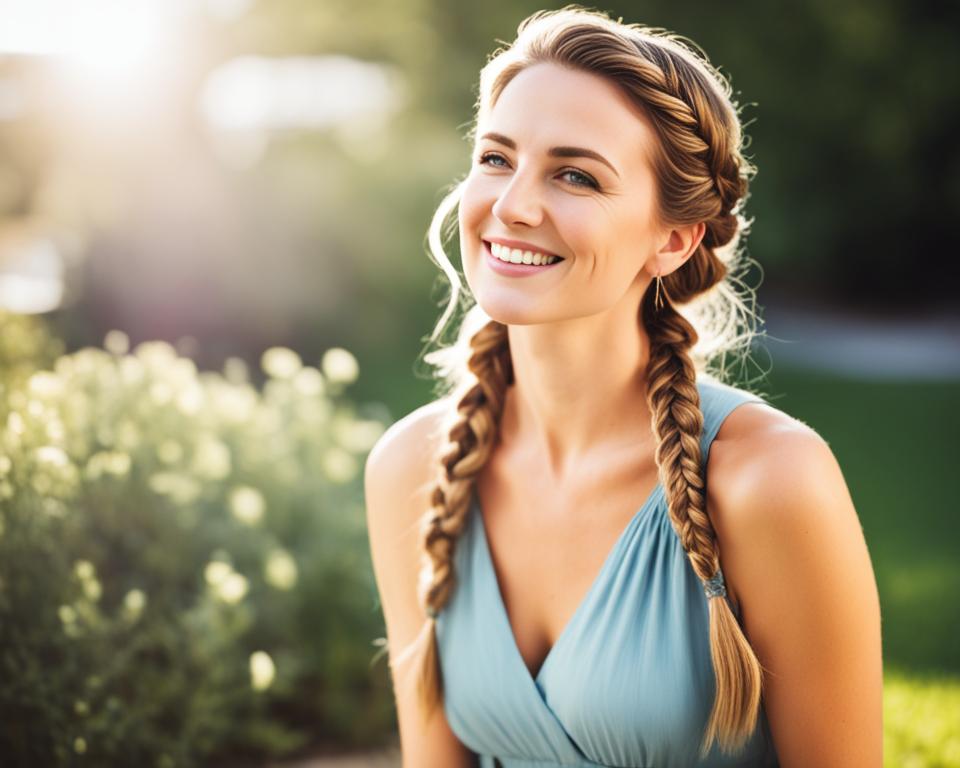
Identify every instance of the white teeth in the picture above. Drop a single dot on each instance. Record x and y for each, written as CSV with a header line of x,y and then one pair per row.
x,y
516,256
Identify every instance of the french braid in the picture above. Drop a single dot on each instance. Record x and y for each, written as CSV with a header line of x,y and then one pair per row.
x,y
677,422
471,440
702,177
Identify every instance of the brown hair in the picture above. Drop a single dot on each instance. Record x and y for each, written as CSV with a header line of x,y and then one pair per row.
x,y
702,175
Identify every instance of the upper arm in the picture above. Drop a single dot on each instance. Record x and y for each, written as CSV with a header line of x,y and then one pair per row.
x,y
398,480
791,543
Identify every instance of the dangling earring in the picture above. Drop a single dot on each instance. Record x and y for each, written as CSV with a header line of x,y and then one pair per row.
x,y
657,298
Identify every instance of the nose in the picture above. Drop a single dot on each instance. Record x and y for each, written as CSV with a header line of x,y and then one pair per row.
x,y
519,201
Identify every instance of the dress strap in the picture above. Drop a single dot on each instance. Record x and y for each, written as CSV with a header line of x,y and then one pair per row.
x,y
717,400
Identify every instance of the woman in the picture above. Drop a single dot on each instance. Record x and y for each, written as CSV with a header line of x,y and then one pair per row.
x,y
535,616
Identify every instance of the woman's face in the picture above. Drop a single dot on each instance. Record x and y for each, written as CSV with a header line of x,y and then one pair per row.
x,y
594,206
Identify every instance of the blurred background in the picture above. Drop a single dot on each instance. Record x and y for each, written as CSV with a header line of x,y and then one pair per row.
x,y
214,291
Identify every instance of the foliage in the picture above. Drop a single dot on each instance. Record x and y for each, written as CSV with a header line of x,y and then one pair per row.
x,y
920,721
183,572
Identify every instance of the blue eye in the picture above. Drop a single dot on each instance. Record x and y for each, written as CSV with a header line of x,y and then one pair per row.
x,y
485,159
588,183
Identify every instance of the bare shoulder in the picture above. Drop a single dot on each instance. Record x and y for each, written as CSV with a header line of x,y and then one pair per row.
x,y
772,481
402,459
772,477
398,479
796,561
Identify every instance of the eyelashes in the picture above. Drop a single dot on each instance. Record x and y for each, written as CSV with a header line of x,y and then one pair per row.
x,y
589,181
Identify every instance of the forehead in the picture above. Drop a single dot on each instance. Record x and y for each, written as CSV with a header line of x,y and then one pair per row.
x,y
547,105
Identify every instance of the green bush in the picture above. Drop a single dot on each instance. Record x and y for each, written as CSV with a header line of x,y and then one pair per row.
x,y
184,574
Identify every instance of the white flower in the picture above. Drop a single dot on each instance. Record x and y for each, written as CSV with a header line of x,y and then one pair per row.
x,y
131,370
247,504
216,571
115,463
134,603
116,342
340,365
339,466
262,670
52,455
233,403
182,373
84,570
92,589
281,363
15,423
180,488
211,458
161,392
45,384
280,569
232,588
54,429
309,382
191,399
156,355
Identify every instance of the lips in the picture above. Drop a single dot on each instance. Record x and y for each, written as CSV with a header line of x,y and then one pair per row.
x,y
509,269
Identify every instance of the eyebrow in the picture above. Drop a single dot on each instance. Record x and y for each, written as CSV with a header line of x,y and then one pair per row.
x,y
555,151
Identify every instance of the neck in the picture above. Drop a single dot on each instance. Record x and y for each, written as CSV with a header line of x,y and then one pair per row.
x,y
579,387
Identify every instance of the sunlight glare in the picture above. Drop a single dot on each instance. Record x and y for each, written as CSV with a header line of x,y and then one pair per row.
x,y
104,40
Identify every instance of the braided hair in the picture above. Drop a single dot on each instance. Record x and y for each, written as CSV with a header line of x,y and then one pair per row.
x,y
702,177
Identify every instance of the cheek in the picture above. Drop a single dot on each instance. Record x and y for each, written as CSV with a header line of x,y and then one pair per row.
x,y
473,207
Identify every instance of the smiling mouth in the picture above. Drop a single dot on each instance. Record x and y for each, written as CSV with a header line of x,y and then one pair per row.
x,y
520,256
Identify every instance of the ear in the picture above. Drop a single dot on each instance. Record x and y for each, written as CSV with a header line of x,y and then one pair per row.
x,y
680,244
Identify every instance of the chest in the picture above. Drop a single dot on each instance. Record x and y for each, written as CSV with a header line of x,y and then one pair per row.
x,y
548,544
627,683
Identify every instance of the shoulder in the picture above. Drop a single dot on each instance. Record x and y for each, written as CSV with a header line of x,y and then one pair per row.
x,y
795,559
768,464
404,453
399,476
773,483
758,447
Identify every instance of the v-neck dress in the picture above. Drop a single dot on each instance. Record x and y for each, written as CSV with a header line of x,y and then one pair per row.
x,y
629,681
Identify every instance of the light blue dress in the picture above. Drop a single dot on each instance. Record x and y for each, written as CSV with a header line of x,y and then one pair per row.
x,y
628,683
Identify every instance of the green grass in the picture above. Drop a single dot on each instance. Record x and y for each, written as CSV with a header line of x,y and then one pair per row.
x,y
921,721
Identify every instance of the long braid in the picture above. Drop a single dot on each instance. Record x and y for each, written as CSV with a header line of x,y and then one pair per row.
x,y
678,425
472,439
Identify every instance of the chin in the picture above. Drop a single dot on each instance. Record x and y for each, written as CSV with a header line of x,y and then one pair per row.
x,y
509,313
